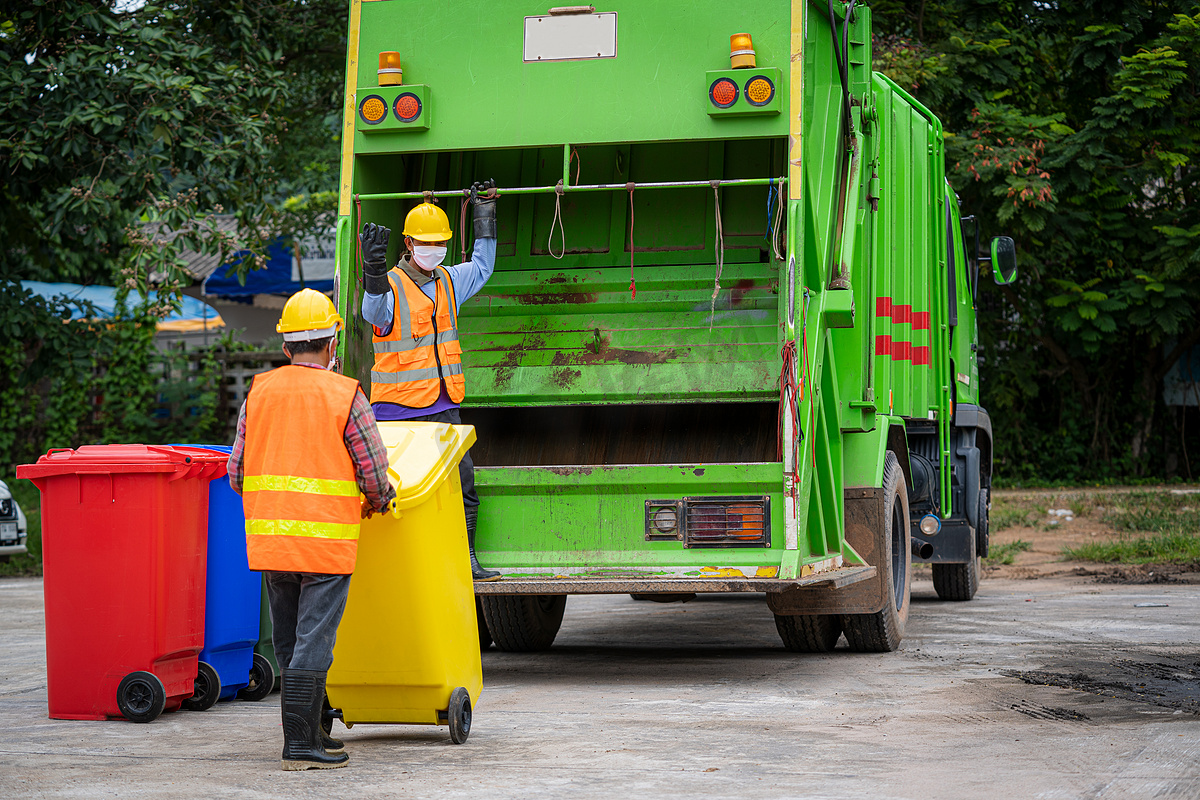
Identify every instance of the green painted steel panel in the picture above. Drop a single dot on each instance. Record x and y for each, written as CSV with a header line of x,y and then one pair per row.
x,y
594,517
483,95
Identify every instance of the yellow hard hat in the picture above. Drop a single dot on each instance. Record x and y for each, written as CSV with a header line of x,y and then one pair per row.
x,y
427,223
308,315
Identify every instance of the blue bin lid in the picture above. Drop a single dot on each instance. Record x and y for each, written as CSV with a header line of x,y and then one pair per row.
x,y
220,448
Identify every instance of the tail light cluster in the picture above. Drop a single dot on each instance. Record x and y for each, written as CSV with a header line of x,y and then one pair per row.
x,y
710,521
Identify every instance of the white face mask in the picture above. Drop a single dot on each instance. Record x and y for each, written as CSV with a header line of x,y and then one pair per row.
x,y
428,257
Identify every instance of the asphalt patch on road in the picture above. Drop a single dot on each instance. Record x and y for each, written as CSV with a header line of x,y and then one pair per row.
x,y
1165,681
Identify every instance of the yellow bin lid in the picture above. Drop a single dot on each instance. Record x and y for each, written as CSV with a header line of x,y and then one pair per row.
x,y
421,455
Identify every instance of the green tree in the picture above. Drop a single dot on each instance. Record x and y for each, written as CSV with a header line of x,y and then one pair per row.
x,y
1072,127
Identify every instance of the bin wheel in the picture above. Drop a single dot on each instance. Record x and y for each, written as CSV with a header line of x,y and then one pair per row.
x,y
262,680
459,715
141,697
206,689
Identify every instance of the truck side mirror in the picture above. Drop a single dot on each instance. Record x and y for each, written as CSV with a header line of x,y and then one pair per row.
x,y
1004,260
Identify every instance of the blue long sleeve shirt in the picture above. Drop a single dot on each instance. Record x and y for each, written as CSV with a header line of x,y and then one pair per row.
x,y
468,278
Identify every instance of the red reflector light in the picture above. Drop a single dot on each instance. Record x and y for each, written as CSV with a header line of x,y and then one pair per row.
x,y
372,109
407,107
727,522
723,93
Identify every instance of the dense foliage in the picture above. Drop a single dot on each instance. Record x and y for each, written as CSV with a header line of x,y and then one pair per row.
x,y
127,128
1073,127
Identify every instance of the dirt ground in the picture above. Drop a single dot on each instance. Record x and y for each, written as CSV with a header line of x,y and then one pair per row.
x,y
1048,533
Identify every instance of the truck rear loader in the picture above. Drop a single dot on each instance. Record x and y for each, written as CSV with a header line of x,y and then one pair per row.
x,y
730,343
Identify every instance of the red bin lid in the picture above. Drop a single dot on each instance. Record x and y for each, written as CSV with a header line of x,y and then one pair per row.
x,y
117,458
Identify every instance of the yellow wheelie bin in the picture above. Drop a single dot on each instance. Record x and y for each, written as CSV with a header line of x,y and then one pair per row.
x,y
408,646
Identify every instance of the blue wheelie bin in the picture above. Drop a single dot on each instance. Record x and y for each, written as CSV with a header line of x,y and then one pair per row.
x,y
231,606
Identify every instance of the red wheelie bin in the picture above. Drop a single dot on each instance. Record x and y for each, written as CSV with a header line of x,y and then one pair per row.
x,y
124,536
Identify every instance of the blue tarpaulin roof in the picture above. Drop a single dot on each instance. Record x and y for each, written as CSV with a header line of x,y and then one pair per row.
x,y
104,299
280,276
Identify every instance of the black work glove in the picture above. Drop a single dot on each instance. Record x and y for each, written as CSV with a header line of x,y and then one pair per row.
x,y
374,239
484,209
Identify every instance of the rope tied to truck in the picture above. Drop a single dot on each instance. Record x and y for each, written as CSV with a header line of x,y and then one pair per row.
x,y
719,247
558,193
775,203
789,404
632,283
462,222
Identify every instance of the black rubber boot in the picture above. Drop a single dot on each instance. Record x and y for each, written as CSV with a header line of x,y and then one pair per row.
x,y
302,701
477,572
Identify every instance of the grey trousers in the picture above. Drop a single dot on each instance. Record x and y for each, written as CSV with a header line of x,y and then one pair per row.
x,y
305,611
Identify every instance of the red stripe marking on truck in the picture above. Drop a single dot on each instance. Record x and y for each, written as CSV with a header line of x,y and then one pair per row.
x,y
883,306
920,320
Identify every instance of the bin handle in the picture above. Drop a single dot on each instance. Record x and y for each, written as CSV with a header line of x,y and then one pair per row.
x,y
54,450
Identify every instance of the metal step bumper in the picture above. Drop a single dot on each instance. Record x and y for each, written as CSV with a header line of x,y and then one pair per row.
x,y
649,584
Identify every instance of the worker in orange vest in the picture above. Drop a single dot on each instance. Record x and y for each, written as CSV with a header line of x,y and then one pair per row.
x,y
307,444
413,309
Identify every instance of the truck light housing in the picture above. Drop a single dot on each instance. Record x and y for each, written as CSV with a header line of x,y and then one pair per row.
x,y
930,525
741,92
727,522
393,109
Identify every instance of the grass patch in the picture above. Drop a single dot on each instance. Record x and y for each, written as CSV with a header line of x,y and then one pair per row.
x,y
1173,547
1005,553
30,500
1006,513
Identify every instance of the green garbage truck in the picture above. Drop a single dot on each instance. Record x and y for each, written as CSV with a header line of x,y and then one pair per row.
x,y
730,341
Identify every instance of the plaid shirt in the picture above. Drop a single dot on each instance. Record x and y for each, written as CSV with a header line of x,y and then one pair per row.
x,y
363,442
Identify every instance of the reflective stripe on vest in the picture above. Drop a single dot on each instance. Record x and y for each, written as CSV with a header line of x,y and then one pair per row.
x,y
421,351
293,483
300,491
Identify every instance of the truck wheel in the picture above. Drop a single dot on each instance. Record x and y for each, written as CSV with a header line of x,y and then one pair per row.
x,y
809,633
523,623
961,581
983,531
485,636
882,631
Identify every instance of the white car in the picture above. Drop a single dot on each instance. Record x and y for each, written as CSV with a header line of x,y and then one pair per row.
x,y
12,525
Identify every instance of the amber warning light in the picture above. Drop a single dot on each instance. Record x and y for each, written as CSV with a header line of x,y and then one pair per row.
x,y
741,51
390,73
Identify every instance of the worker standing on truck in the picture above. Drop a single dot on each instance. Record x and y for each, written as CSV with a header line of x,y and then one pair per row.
x,y
413,308
307,444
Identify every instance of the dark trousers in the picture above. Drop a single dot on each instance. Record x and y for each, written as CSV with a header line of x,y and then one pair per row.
x,y
305,611
466,467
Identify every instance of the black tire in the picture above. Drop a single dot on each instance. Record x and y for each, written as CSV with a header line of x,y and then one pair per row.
x,y
326,716
983,531
141,697
809,633
523,623
959,582
262,680
206,688
485,636
458,715
882,631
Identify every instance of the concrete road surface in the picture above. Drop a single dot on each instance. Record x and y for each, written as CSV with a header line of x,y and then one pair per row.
x,y
1052,688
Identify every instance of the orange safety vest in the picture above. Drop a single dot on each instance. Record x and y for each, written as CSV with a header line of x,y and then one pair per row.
x,y
300,492
408,369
